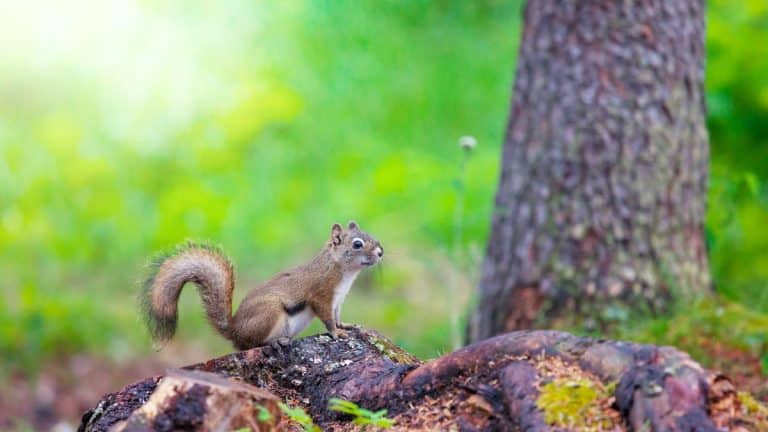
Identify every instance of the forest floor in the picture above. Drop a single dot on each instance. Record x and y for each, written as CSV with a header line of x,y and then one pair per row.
x,y
66,387
55,398
744,368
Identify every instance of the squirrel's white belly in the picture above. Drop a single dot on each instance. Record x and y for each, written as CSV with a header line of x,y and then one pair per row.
x,y
291,325
342,289
299,322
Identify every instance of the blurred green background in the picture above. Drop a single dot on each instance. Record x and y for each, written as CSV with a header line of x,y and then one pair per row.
x,y
127,127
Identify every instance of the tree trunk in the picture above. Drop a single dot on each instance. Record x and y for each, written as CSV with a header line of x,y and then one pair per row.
x,y
529,380
601,200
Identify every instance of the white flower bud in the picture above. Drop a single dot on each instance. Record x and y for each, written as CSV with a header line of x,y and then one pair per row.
x,y
467,142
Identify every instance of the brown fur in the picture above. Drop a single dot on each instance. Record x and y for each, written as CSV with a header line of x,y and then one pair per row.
x,y
263,312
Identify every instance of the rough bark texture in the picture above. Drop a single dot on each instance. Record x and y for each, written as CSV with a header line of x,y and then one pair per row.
x,y
492,385
190,400
602,192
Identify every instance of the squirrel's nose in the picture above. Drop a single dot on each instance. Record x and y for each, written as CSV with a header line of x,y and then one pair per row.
x,y
380,251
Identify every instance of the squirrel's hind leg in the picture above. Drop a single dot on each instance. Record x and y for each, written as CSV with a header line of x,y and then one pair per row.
x,y
258,325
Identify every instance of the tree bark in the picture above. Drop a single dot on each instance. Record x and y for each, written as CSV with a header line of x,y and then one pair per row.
x,y
601,199
190,400
518,381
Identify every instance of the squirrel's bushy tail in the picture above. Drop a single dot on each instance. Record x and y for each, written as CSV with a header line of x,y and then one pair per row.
x,y
203,264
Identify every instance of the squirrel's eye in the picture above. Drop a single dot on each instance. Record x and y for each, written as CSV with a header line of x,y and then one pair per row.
x,y
357,243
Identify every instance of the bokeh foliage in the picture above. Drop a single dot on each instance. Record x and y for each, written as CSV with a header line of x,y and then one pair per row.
x,y
737,90
124,130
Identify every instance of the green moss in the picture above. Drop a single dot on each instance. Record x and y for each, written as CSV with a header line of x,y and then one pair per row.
x,y
575,403
565,401
390,350
753,411
751,406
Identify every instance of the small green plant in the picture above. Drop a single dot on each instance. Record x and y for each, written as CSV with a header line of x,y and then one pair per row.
x,y
362,416
264,415
764,363
467,143
301,417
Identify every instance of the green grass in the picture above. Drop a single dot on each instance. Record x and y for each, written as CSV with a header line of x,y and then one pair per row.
x,y
696,326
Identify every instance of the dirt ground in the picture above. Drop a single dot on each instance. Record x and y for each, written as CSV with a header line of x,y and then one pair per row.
x,y
744,368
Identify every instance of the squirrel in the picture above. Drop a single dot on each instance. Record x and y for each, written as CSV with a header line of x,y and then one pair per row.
x,y
274,311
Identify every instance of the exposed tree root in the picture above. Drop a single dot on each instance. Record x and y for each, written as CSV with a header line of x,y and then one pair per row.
x,y
528,380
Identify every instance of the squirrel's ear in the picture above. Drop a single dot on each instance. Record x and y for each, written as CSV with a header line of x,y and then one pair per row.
x,y
336,234
352,225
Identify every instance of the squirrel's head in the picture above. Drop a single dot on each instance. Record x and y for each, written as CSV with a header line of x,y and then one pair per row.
x,y
353,248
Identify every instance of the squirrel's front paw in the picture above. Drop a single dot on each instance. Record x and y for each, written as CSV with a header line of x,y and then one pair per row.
x,y
347,326
277,345
338,333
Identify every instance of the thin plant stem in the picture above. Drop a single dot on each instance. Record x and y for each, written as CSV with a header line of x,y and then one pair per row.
x,y
457,249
